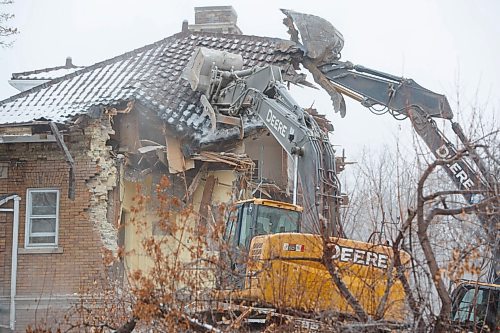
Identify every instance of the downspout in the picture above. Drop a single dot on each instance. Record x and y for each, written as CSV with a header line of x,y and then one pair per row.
x,y
13,272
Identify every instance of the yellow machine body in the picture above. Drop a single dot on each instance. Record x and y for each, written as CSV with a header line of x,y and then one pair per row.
x,y
286,270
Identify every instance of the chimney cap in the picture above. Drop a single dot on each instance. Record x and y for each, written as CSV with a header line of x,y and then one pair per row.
x,y
216,8
218,19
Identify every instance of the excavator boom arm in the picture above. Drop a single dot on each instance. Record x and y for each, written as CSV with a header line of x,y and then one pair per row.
x,y
371,88
300,136
229,91
404,97
321,45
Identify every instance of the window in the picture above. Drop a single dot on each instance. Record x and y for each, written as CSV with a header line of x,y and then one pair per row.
x,y
246,226
478,306
273,220
42,209
231,225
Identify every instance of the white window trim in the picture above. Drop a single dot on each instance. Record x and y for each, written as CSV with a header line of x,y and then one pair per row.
x,y
27,225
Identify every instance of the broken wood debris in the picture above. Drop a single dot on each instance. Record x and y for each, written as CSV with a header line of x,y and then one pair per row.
x,y
206,199
298,322
251,314
147,149
68,157
176,160
323,123
264,188
240,162
320,78
194,184
111,110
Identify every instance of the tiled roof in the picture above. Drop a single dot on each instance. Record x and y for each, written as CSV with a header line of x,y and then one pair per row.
x,y
151,76
46,73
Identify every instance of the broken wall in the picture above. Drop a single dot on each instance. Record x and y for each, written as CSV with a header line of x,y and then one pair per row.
x,y
271,164
49,279
205,180
221,191
103,201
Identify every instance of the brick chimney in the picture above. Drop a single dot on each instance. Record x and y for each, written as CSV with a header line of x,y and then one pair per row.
x,y
221,19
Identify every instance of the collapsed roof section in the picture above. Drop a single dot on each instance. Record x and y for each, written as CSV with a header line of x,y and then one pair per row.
x,y
151,77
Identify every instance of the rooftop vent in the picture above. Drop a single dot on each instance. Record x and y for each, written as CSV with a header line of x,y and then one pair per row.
x,y
221,19
69,63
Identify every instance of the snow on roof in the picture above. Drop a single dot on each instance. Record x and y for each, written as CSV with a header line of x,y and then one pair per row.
x,y
48,73
150,76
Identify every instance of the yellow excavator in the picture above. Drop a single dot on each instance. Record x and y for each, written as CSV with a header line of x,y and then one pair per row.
x,y
278,267
286,256
276,250
284,268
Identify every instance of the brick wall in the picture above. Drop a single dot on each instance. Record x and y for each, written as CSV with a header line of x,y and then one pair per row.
x,y
5,246
42,277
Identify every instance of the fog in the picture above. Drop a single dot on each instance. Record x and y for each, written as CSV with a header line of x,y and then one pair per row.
x,y
449,46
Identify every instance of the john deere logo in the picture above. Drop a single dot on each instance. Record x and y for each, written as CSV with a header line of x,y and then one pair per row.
x,y
362,257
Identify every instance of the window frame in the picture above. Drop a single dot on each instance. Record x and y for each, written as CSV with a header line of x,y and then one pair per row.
x,y
246,217
29,217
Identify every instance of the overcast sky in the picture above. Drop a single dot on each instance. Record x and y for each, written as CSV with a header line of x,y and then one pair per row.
x,y
440,44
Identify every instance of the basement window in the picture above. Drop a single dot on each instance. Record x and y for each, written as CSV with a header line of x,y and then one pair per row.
x,y
42,218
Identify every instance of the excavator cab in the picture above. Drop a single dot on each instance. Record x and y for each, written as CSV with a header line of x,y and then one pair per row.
x,y
256,217
249,219
476,305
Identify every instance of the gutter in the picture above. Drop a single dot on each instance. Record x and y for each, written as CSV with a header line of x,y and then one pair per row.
x,y
13,271
26,84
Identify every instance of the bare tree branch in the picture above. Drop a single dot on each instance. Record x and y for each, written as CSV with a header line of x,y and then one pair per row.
x,y
6,31
344,291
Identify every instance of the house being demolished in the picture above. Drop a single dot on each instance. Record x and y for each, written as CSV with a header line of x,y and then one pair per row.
x,y
74,148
